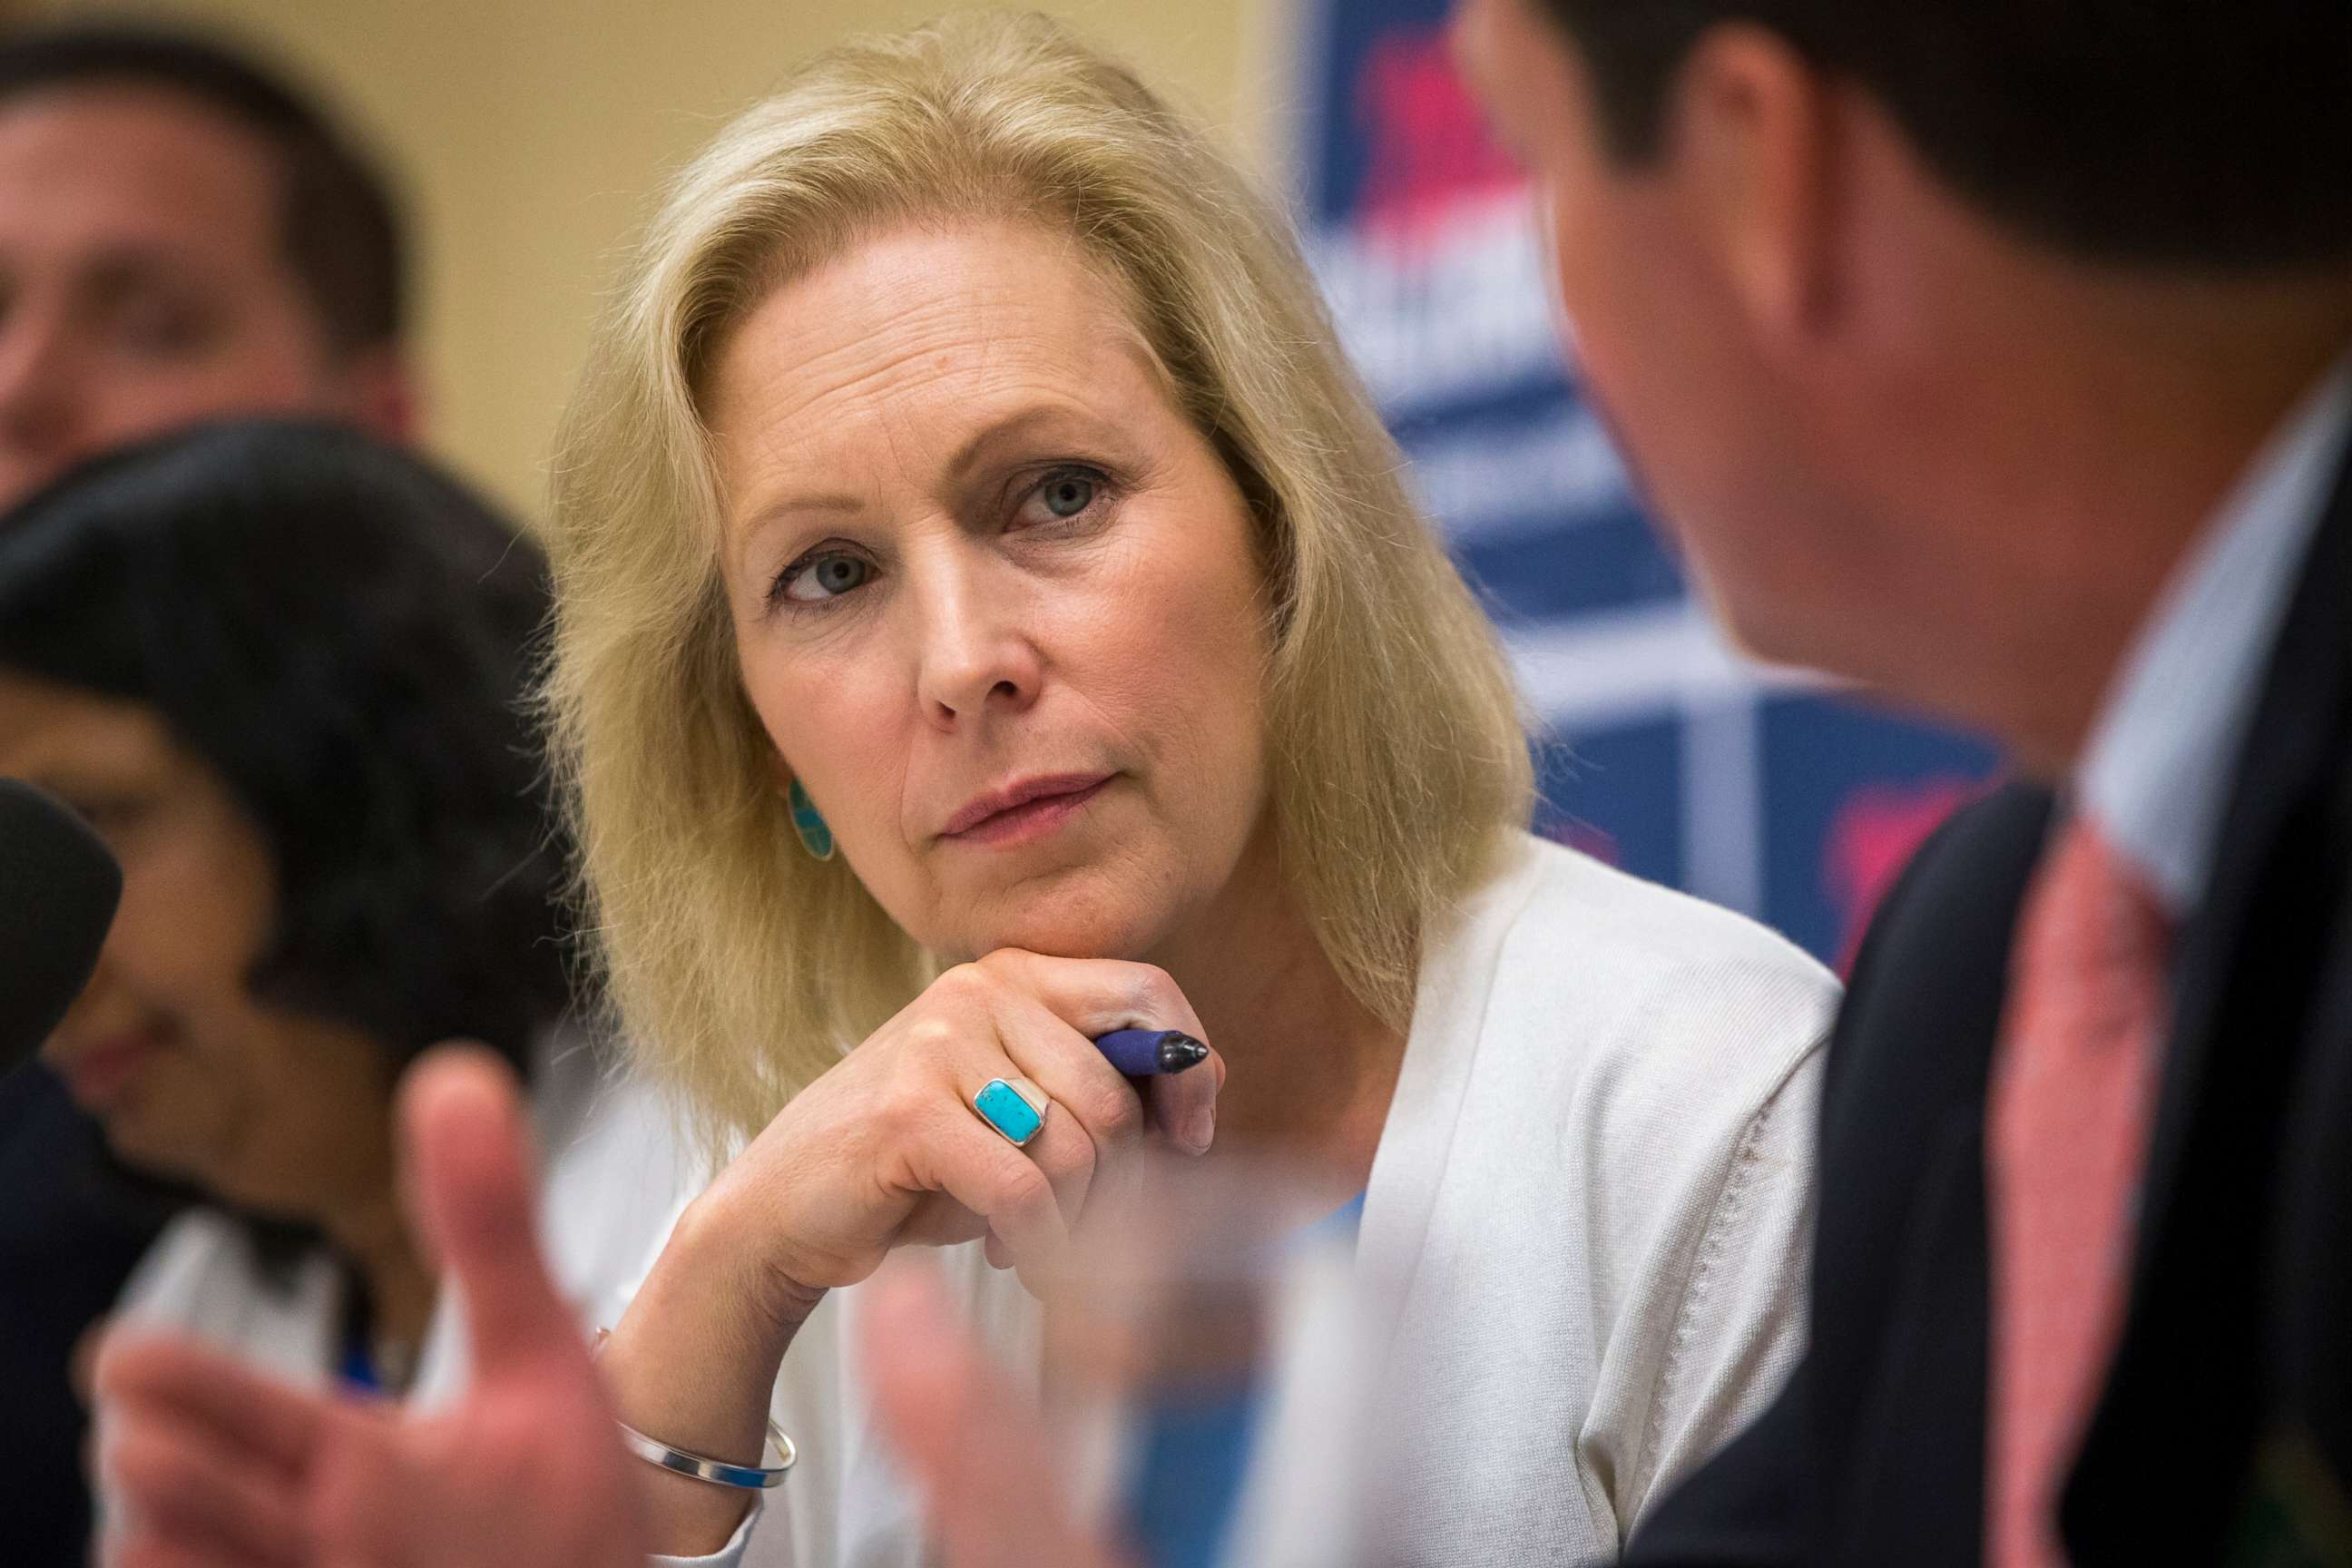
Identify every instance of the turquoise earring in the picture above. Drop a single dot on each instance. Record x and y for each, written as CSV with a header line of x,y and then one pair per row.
x,y
809,823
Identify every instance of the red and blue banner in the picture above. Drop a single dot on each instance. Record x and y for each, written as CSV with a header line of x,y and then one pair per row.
x,y
1664,752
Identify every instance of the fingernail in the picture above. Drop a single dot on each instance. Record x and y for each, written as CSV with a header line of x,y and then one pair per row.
x,y
1204,1131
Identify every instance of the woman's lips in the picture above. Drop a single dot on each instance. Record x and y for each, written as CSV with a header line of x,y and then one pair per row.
x,y
97,1076
1036,810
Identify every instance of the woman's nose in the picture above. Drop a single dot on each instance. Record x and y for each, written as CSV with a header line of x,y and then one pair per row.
x,y
977,655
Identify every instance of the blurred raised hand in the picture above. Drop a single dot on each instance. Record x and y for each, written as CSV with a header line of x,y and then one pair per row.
x,y
219,1466
967,1438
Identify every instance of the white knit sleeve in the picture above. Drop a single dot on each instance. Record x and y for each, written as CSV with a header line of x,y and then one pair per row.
x,y
1734,1325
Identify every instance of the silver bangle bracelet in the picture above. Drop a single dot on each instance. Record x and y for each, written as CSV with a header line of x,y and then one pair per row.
x,y
701,1467
717,1472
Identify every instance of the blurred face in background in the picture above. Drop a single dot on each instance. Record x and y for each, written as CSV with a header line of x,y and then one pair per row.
x,y
995,600
189,1074
144,281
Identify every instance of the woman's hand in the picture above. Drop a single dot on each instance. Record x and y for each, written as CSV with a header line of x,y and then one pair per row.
x,y
884,1151
216,1466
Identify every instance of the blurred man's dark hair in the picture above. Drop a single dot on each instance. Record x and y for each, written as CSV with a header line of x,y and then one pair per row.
x,y
339,222
2160,132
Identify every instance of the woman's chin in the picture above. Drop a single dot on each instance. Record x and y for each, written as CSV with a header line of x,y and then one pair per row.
x,y
1124,906
1062,938
1069,927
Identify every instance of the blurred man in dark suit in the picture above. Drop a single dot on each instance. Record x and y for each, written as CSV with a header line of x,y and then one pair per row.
x,y
181,236
1993,354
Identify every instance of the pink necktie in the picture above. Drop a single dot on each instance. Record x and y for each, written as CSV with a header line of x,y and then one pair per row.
x,y
2072,1097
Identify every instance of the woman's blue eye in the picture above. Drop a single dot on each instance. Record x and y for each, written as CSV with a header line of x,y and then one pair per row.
x,y
822,577
1063,495
1068,495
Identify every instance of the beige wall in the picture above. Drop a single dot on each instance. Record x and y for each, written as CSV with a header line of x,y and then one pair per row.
x,y
529,134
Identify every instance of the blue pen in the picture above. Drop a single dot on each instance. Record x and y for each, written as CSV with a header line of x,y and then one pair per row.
x,y
1150,1053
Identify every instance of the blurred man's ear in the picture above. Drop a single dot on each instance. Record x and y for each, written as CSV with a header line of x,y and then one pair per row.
x,y
1754,133
381,394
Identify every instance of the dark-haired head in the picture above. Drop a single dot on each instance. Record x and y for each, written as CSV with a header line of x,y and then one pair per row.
x,y
338,222
1938,329
2174,132
182,236
291,638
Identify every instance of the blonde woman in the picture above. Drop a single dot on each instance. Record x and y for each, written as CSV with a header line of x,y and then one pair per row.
x,y
991,614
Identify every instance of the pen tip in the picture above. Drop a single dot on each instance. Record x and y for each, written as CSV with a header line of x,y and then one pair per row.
x,y
1179,1051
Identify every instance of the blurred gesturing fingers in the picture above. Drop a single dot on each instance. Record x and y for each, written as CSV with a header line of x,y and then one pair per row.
x,y
216,1464
980,1458
472,1190
202,1455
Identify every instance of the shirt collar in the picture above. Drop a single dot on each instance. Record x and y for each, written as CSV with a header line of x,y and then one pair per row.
x,y
2165,745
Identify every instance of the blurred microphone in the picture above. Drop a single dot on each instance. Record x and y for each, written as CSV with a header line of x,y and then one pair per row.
x,y
58,888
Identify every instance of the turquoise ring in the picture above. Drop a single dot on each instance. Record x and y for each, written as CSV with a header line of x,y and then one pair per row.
x,y
1009,1109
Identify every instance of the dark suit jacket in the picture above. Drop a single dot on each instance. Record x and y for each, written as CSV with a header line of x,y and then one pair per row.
x,y
2224,1432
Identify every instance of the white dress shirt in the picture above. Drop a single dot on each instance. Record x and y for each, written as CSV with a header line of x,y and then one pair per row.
x,y
2166,748
1591,1205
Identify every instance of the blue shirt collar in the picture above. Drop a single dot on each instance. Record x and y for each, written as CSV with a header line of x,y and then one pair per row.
x,y
2165,749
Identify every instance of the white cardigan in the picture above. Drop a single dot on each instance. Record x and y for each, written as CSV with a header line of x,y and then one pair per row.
x,y
1595,1185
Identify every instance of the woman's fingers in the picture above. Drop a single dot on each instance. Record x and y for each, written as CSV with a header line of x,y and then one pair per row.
x,y
1068,1066
143,1374
1096,1113
960,1155
1185,1103
1045,1012
1097,996
1064,1154
887,1150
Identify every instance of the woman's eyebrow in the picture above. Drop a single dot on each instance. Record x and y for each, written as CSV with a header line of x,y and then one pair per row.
x,y
1052,419
740,536
1023,425
784,506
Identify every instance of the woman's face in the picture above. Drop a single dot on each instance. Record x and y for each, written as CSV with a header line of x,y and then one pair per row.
x,y
190,1076
995,600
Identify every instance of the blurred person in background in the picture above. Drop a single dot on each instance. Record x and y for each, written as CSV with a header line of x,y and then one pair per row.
x,y
281,669
990,615
182,236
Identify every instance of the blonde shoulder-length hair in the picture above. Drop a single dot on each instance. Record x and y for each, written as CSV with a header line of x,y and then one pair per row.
x,y
740,967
